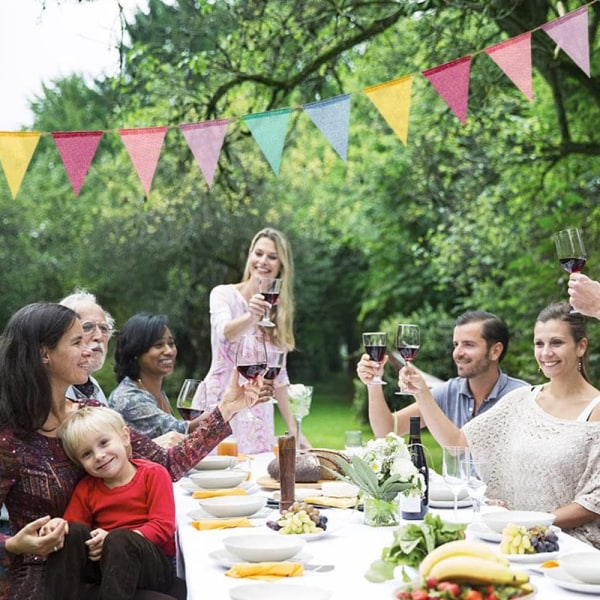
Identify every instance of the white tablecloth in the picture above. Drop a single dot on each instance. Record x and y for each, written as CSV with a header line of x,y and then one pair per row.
x,y
350,545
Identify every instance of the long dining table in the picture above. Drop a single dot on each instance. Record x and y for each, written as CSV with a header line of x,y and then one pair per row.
x,y
349,545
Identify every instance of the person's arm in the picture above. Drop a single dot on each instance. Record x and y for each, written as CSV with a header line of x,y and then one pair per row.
x,y
584,295
380,415
573,515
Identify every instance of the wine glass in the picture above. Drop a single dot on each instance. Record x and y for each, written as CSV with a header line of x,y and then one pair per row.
x,y
375,343
453,470
251,362
408,342
191,401
270,288
275,362
476,486
300,398
570,249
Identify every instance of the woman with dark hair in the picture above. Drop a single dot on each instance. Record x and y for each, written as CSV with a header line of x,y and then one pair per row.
x,y
42,353
144,356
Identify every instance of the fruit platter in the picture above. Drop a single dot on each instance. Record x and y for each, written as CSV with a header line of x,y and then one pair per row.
x,y
300,519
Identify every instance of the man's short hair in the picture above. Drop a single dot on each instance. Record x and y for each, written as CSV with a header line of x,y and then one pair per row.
x,y
493,329
82,295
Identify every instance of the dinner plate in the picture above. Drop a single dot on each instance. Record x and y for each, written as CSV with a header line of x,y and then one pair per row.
x,y
198,514
538,557
309,537
189,486
450,503
278,590
228,559
482,531
561,578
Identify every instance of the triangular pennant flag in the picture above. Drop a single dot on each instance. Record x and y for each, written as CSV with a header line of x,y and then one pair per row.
x,y
268,130
16,150
392,100
332,117
77,149
514,58
451,80
205,141
144,146
570,32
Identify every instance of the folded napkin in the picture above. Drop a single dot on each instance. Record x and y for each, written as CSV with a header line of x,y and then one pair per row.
x,y
266,571
205,524
202,494
331,501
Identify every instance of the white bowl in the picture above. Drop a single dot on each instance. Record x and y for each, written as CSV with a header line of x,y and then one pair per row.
x,y
211,463
233,506
498,520
213,480
440,491
584,566
264,547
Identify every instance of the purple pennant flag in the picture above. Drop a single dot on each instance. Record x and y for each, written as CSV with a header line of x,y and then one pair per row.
x,y
332,117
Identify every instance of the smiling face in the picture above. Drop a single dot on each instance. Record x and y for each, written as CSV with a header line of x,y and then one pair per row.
x,y
159,359
471,354
97,332
556,351
263,260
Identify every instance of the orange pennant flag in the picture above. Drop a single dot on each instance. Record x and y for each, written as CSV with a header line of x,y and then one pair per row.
x,y
144,146
392,100
16,150
514,58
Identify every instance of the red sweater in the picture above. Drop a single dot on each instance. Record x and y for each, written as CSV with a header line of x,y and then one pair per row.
x,y
146,503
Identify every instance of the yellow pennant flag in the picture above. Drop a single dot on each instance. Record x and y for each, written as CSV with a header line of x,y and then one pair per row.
x,y
16,150
392,100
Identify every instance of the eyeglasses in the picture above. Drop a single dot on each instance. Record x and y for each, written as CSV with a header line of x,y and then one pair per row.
x,y
89,326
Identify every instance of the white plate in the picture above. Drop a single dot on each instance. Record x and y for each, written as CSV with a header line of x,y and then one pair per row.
x,y
482,531
189,486
561,578
539,557
199,514
309,537
211,462
227,559
450,503
277,591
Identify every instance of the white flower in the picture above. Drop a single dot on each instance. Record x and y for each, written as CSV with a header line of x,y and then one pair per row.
x,y
403,467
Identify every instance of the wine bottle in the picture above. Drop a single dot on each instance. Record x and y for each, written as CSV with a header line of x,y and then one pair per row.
x,y
287,470
414,507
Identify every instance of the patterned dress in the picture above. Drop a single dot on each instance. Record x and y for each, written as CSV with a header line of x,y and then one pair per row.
x,y
37,479
226,303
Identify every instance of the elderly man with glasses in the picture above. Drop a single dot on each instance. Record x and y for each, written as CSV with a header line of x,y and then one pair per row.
x,y
98,326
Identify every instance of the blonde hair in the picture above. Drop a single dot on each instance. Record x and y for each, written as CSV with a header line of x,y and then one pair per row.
x,y
283,333
74,432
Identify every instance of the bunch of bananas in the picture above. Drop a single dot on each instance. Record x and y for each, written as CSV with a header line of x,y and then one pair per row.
x,y
470,562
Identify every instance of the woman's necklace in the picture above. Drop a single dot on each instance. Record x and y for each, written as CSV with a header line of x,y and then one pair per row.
x,y
160,400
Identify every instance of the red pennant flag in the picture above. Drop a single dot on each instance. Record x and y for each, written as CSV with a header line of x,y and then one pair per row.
x,y
570,33
451,80
205,141
514,58
144,146
77,149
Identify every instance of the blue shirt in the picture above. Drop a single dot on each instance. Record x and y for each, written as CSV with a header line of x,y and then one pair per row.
x,y
456,400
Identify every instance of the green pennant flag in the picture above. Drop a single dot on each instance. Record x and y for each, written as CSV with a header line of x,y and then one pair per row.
x,y
269,130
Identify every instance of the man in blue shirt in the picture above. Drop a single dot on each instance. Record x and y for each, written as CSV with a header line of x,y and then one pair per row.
x,y
480,342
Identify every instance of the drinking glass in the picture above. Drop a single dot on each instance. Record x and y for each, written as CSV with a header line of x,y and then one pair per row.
x,y
300,398
453,470
270,288
251,362
476,486
408,342
570,249
275,362
191,401
375,343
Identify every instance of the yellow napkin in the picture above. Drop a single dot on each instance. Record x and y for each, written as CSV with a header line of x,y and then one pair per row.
x,y
331,501
206,524
266,570
201,494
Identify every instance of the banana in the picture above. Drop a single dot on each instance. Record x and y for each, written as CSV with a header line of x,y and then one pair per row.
x,y
476,570
459,548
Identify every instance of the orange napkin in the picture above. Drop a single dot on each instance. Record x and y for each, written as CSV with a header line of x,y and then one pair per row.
x,y
266,571
206,524
201,494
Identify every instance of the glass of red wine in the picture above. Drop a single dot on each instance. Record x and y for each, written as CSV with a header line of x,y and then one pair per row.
x,y
375,343
408,342
270,288
191,400
275,362
570,249
251,362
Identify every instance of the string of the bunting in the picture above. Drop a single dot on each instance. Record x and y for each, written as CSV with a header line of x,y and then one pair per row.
x,y
331,116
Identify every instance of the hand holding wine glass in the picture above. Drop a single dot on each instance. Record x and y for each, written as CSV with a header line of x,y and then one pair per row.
x,y
375,343
251,362
275,362
270,288
453,470
408,342
191,401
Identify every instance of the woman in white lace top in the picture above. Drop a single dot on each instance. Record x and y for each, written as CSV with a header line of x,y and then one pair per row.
x,y
541,443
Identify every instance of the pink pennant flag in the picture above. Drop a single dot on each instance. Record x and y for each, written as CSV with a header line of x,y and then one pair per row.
x,y
451,80
570,32
144,146
514,58
77,149
205,141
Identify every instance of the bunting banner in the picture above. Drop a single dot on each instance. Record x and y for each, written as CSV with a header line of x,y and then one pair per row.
x,y
331,116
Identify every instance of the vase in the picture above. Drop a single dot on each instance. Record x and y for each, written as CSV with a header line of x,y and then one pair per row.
x,y
381,513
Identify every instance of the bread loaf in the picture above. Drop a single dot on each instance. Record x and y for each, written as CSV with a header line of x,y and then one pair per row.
x,y
329,459
308,469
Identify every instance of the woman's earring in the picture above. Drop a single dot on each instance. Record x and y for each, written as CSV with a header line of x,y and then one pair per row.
x,y
579,365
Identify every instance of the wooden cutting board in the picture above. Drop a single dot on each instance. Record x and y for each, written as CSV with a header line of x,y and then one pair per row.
x,y
272,484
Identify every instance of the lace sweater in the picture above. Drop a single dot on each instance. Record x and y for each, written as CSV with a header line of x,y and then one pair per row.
x,y
536,461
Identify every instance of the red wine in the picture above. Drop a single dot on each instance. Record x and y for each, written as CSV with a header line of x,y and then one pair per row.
x,y
572,265
272,372
413,507
375,353
189,413
251,372
408,353
271,297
